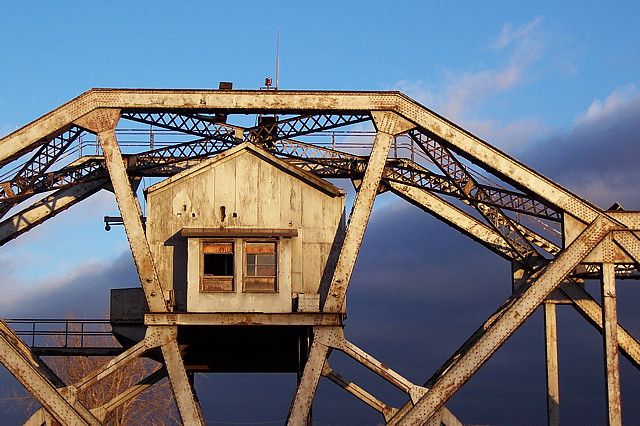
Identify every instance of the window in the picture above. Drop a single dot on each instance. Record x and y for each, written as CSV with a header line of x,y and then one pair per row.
x,y
260,269
217,267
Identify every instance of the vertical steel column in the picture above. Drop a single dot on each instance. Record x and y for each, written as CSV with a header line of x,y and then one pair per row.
x,y
516,310
610,322
551,343
388,125
592,312
306,390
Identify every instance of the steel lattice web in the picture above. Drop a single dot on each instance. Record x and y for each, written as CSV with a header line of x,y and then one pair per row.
x,y
416,154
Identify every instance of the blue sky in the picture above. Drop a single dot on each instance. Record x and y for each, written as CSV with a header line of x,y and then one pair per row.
x,y
553,83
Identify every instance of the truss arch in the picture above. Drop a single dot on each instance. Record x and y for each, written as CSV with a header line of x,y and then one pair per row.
x,y
432,174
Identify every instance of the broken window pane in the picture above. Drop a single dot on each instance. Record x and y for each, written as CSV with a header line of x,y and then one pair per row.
x,y
217,267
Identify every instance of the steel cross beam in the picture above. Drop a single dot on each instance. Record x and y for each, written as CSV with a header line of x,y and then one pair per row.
x,y
275,102
150,163
282,144
459,176
454,217
199,125
200,148
130,394
591,310
442,157
157,298
279,136
89,169
40,381
35,167
325,162
301,125
306,389
182,122
47,208
581,300
358,392
500,326
388,125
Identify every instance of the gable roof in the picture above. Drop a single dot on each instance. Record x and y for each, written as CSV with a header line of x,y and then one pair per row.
x,y
252,149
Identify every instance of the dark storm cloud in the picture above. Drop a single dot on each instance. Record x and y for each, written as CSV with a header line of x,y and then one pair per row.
x,y
81,295
598,158
420,289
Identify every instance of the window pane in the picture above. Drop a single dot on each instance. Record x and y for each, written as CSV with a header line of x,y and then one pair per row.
x,y
260,284
210,284
261,271
266,271
261,265
218,264
217,267
266,259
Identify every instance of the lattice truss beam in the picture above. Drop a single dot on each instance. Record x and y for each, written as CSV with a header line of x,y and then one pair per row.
x,y
494,214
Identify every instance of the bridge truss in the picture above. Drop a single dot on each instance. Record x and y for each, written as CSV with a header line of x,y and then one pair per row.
x,y
553,238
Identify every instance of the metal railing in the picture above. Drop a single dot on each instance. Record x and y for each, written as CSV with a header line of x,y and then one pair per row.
x,y
63,333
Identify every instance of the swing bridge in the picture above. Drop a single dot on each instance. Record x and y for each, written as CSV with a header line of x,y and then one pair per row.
x,y
379,141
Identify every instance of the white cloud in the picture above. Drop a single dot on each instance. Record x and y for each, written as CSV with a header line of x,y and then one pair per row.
x,y
77,290
16,290
617,100
510,136
597,157
464,92
471,89
509,35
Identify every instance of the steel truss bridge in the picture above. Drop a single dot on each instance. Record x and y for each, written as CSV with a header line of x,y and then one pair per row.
x,y
553,239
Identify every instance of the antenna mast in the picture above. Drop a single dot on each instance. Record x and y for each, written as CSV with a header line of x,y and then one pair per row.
x,y
277,60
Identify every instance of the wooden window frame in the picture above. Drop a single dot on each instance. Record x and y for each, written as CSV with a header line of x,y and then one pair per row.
x,y
202,276
245,269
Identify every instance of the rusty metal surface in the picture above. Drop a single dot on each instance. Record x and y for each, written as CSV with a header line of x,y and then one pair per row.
x,y
46,208
551,353
197,113
130,211
612,365
39,380
246,319
355,390
388,125
277,101
591,310
188,406
238,232
475,352
306,389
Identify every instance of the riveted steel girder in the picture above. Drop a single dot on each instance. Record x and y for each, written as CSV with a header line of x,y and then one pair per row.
x,y
488,338
47,208
40,381
195,112
388,125
467,185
